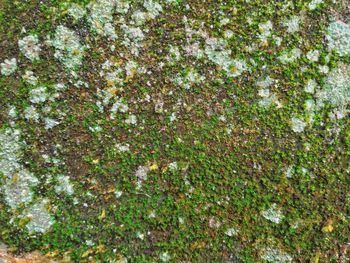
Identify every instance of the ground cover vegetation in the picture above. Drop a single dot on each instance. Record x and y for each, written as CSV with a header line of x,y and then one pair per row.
x,y
175,130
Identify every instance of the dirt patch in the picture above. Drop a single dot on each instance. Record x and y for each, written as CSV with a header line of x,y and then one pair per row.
x,y
34,257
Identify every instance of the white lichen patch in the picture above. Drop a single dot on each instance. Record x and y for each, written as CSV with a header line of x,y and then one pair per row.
x,y
109,31
174,54
131,68
141,173
10,152
39,217
323,69
9,66
268,98
60,87
76,11
338,37
228,34
336,89
231,232
31,113
313,55
18,180
119,106
194,50
118,194
265,93
50,123
95,128
173,166
310,86
114,76
314,4
298,125
153,8
101,13
218,53
236,68
131,119
310,107
273,214
266,82
172,117
139,17
30,47
214,222
164,257
291,56
17,189
189,78
30,78
69,50
122,147
12,112
38,95
122,6
224,21
338,114
292,24
275,256
265,30
64,185
289,171
133,37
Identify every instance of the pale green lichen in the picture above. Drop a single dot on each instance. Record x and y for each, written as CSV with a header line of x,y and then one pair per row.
x,y
30,78
18,181
10,152
292,24
153,8
298,125
76,11
39,217
30,47
38,95
338,37
290,56
273,214
218,53
276,256
314,4
69,50
64,185
9,66
17,189
336,89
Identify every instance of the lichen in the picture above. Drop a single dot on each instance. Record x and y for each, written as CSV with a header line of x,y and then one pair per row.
x,y
336,89
338,37
276,256
30,47
39,217
9,66
68,48
273,214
